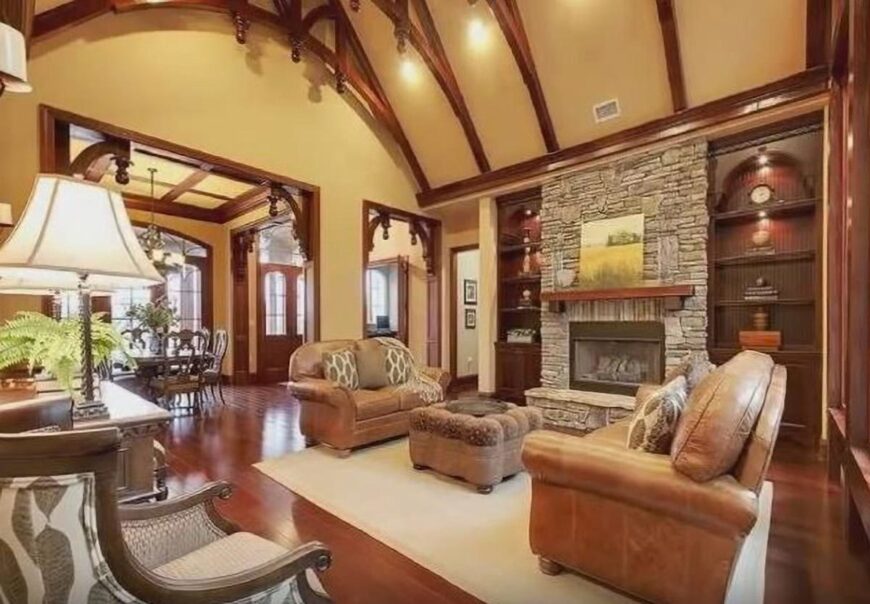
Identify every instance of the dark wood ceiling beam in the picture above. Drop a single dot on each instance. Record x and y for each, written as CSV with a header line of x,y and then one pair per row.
x,y
133,201
244,203
68,15
673,59
428,43
387,114
185,186
808,84
819,34
507,14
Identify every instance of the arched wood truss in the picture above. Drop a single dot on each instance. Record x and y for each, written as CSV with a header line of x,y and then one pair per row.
x,y
352,68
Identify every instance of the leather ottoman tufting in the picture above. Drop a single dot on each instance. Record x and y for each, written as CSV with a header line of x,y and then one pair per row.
x,y
478,441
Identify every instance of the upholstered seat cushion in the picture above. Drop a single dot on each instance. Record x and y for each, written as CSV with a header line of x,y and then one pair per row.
x,y
374,403
227,556
175,382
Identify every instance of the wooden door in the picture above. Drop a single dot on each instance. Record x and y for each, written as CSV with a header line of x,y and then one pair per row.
x,y
278,332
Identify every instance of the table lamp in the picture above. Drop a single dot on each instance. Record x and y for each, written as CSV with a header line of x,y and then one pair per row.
x,y
76,235
13,60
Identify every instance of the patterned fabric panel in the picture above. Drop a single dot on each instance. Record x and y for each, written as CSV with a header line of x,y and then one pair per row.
x,y
156,541
694,367
48,543
655,422
339,368
400,366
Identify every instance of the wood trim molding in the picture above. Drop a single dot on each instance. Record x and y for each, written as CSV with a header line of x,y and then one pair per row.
x,y
507,13
668,24
818,35
799,87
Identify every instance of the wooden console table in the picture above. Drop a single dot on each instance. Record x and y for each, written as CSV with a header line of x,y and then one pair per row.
x,y
139,421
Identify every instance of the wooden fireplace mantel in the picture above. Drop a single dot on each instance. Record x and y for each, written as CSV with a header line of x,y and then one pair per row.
x,y
673,295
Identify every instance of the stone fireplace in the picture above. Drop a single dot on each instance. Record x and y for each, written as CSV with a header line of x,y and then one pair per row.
x,y
616,356
669,187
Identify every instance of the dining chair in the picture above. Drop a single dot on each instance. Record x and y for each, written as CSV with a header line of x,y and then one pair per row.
x,y
212,375
184,358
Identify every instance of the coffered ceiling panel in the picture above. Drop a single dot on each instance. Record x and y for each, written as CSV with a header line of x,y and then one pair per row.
x,y
493,88
732,46
590,51
424,112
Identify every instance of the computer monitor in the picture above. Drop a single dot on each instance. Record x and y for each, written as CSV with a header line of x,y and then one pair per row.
x,y
382,322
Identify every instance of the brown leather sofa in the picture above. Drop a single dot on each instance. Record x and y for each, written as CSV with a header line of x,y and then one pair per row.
x,y
345,419
664,528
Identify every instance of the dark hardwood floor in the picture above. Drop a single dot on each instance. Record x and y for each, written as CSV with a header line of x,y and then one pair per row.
x,y
807,558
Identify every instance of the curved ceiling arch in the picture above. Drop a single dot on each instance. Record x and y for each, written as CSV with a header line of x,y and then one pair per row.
x,y
533,92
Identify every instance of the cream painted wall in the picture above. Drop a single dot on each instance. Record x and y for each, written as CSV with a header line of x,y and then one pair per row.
x,y
179,75
399,244
467,266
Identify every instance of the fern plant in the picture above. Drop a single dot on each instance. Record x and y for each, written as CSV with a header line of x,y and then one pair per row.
x,y
41,341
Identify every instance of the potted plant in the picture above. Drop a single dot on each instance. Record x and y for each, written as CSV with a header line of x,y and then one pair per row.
x,y
157,317
55,346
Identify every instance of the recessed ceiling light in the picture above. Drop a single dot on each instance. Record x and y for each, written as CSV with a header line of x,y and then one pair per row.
x,y
408,69
477,33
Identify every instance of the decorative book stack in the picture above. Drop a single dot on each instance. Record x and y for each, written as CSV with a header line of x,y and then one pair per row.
x,y
762,291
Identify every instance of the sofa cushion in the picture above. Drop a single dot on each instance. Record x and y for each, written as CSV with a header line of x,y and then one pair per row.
x,y
400,365
339,368
720,415
374,403
655,422
307,360
371,365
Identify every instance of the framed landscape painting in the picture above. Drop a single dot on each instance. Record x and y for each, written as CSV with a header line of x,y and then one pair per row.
x,y
611,252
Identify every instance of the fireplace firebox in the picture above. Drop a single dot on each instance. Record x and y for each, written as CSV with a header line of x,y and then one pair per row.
x,y
616,356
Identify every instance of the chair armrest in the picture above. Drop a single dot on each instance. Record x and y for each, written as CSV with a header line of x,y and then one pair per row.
x,y
156,533
441,376
321,391
643,480
255,581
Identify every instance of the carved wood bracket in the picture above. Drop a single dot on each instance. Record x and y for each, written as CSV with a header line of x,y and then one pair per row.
x,y
242,244
421,230
94,161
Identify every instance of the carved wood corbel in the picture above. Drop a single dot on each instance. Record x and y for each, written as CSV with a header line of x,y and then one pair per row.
x,y
93,162
242,25
300,226
422,230
243,244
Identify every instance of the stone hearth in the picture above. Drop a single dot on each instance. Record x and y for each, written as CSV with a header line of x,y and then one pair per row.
x,y
670,188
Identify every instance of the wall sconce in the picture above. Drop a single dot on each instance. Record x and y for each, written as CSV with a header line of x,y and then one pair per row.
x,y
13,60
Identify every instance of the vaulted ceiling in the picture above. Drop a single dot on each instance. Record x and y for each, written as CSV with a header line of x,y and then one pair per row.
x,y
484,85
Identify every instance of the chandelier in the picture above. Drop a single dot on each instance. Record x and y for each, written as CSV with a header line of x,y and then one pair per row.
x,y
153,244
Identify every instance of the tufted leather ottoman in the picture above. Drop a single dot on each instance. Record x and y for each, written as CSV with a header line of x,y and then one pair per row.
x,y
477,441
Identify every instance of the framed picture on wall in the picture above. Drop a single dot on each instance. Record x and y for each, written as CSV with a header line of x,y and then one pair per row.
x,y
470,318
470,289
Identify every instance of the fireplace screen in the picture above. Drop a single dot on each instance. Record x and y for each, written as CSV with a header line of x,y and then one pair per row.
x,y
616,356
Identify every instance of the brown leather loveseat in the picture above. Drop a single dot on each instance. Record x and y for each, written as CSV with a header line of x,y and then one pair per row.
x,y
342,418
664,528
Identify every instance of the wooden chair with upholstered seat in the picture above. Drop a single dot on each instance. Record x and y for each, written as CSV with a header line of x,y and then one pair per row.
x,y
67,540
181,375
211,377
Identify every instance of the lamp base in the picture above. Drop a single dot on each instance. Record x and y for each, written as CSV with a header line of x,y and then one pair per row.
x,y
90,410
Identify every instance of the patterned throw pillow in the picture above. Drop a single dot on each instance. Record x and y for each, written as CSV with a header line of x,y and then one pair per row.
x,y
339,367
400,366
694,367
653,426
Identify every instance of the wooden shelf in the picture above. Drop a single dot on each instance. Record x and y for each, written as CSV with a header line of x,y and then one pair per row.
x,y
772,210
778,302
624,293
766,258
517,247
522,309
534,278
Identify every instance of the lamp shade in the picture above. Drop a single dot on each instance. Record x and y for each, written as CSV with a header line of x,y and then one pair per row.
x,y
70,229
13,59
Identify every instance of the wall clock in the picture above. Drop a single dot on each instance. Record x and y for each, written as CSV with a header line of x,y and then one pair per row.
x,y
761,194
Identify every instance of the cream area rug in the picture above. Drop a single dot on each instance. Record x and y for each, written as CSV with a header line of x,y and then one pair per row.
x,y
477,542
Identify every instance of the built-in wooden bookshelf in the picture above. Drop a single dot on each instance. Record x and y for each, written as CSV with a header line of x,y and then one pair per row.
x,y
770,244
518,364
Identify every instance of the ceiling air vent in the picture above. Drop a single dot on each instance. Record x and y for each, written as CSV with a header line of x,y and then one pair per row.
x,y
607,110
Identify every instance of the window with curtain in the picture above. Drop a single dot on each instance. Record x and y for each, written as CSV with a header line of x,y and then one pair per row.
x,y
184,293
69,305
300,305
377,291
275,291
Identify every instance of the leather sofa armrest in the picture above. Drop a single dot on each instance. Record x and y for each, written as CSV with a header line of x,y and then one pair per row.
x,y
321,391
442,376
643,480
